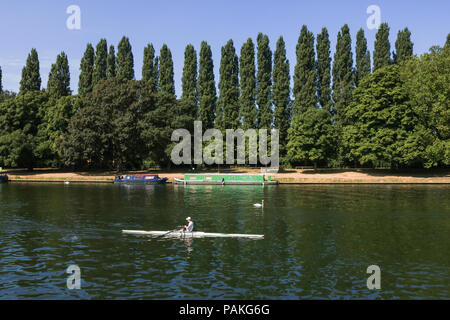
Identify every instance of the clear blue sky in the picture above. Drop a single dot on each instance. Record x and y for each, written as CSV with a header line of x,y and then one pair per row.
x,y
42,25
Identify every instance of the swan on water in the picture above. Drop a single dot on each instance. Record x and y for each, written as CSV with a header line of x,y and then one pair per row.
x,y
259,205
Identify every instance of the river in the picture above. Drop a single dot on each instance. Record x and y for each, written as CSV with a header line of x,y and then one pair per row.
x,y
318,241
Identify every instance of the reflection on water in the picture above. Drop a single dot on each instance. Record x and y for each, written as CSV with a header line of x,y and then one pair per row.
x,y
318,241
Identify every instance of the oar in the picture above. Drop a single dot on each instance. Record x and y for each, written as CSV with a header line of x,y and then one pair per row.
x,y
165,234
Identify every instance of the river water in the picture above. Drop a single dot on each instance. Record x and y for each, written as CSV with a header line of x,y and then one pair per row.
x,y
318,241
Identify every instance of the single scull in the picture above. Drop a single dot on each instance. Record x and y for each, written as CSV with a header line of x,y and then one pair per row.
x,y
195,234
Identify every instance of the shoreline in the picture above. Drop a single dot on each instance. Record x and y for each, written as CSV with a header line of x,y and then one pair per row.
x,y
290,176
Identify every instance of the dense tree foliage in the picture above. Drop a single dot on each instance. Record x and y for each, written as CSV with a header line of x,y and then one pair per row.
x,y
382,50
85,84
100,63
305,85
247,99
150,68
398,116
403,46
264,81
281,94
207,94
125,62
324,70
188,105
31,78
343,77
166,81
362,57
111,64
58,84
228,115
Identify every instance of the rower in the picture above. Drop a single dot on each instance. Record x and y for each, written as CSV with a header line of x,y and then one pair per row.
x,y
189,227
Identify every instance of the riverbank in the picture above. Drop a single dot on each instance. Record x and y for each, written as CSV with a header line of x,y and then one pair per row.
x,y
288,176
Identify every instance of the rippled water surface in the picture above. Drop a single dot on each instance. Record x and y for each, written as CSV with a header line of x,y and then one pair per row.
x,y
319,241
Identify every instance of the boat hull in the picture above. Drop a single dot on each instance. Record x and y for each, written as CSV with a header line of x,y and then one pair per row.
x,y
195,234
3,178
248,183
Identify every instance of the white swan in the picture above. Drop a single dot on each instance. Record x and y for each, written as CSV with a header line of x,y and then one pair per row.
x,y
259,205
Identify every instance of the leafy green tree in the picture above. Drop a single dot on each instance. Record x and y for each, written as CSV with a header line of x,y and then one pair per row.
x,y
207,94
324,70
19,121
125,62
382,51
149,67
403,46
228,117
59,78
381,122
166,81
247,99
310,137
362,57
264,80
157,126
31,79
85,84
51,129
111,65
426,81
305,86
101,62
188,105
281,94
106,133
343,76
447,43
1,87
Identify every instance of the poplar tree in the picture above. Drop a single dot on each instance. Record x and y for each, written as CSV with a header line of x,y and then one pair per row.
x,y
189,104
264,80
149,67
100,64
59,78
31,79
382,51
248,86
403,46
447,43
87,68
125,63
324,70
343,77
111,63
229,88
362,57
281,94
305,74
166,82
206,87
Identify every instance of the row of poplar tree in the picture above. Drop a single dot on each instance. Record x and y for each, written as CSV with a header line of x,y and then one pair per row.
x,y
337,113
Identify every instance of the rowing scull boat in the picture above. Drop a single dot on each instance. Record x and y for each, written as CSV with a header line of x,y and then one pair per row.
x,y
195,234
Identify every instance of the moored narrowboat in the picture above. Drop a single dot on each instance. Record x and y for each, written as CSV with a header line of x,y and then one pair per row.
x,y
226,179
140,178
3,178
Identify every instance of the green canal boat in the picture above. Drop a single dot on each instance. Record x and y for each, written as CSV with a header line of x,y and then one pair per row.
x,y
226,179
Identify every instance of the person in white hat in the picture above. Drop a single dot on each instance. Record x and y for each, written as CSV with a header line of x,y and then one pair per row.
x,y
189,227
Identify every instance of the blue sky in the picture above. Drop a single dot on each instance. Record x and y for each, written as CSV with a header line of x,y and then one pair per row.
x,y
42,25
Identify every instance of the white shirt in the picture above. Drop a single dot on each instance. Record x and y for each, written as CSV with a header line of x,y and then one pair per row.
x,y
190,226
